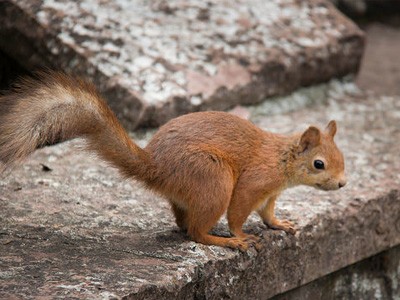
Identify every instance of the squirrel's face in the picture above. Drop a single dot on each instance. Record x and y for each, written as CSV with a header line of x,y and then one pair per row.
x,y
319,161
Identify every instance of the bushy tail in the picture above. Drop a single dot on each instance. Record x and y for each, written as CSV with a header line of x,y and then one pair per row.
x,y
54,107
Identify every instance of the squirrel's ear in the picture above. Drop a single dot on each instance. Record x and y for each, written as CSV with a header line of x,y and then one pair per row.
x,y
331,128
309,139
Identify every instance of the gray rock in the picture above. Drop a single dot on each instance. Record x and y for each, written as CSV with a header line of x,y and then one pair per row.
x,y
154,60
376,277
80,231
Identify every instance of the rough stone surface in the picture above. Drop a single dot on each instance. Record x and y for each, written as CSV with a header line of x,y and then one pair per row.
x,y
70,227
154,60
374,278
377,74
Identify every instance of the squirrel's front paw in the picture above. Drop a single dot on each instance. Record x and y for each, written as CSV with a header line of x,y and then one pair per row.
x,y
284,225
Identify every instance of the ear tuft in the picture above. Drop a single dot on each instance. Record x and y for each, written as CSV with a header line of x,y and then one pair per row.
x,y
309,139
331,128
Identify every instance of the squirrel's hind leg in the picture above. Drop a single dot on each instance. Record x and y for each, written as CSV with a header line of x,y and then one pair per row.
x,y
200,224
180,216
206,207
246,197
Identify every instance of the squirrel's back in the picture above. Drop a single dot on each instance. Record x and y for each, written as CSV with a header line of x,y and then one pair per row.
x,y
220,130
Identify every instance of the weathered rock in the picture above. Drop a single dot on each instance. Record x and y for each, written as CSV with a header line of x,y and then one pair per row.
x,y
376,73
376,277
80,231
154,60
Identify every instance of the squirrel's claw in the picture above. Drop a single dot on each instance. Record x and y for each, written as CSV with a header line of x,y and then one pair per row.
x,y
243,243
284,225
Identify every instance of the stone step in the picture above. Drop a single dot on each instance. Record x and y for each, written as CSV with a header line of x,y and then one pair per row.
x,y
80,231
156,60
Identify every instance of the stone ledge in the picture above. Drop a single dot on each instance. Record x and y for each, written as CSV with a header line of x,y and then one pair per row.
x,y
156,61
80,231
376,277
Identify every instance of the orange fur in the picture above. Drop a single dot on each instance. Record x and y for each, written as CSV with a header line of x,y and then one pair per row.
x,y
204,163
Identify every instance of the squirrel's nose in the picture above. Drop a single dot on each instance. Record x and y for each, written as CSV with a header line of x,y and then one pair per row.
x,y
342,183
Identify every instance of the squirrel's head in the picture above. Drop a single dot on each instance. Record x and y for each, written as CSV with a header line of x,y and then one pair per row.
x,y
318,161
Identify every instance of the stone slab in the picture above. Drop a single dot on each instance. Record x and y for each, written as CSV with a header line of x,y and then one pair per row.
x,y
376,277
74,229
154,60
377,74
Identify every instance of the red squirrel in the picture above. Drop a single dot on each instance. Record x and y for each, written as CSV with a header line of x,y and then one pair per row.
x,y
203,163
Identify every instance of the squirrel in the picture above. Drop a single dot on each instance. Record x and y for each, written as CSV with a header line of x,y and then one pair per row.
x,y
203,163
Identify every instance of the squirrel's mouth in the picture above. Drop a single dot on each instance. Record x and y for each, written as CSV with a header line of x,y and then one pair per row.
x,y
324,187
321,187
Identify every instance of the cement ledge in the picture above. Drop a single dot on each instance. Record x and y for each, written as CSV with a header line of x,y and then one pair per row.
x,y
80,232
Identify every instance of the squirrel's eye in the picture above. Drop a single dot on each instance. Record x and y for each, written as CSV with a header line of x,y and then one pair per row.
x,y
319,164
